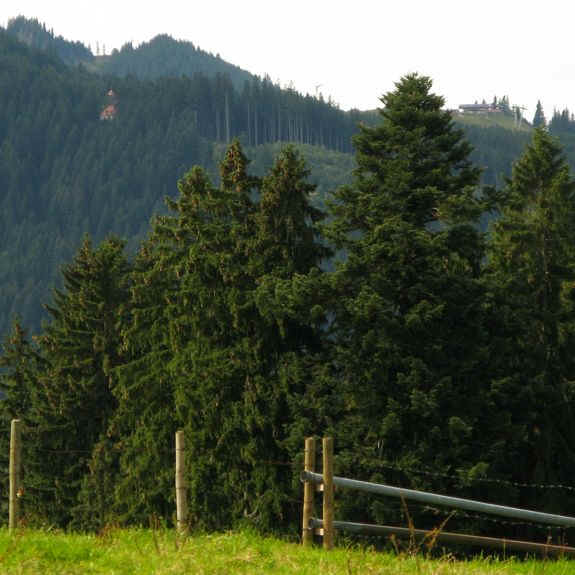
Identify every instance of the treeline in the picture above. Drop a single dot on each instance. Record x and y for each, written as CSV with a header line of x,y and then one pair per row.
x,y
261,113
163,57
437,355
562,121
159,58
32,33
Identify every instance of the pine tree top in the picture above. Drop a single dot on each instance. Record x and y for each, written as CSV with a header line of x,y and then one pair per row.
x,y
414,165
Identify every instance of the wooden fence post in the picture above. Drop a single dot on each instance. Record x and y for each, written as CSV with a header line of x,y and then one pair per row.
x,y
328,493
181,491
14,470
308,493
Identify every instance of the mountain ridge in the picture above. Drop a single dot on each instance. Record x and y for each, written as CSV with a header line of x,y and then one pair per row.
x,y
146,61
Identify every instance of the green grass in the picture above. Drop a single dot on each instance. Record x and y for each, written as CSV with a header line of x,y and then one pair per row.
x,y
158,552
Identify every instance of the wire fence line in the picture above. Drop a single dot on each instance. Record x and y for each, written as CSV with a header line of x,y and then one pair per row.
x,y
34,481
292,464
459,475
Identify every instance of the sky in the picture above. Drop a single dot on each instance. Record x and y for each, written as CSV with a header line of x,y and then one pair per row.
x,y
351,52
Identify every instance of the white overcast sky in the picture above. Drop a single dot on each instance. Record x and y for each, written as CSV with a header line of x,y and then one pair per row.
x,y
354,50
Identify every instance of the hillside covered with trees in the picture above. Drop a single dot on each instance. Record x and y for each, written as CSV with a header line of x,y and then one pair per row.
x,y
88,147
84,153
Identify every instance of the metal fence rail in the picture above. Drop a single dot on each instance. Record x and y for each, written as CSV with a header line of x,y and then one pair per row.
x,y
326,526
444,500
442,536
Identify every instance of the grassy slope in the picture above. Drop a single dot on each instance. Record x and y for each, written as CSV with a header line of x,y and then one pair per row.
x,y
146,552
489,120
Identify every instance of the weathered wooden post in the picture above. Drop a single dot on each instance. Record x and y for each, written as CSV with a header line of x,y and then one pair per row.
x,y
308,493
181,490
14,470
328,493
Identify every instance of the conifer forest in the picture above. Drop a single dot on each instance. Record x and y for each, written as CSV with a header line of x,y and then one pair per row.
x,y
197,248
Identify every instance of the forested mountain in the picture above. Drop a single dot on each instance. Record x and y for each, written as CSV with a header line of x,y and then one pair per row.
x,y
85,153
64,172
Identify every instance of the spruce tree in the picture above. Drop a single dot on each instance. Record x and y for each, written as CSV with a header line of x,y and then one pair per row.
x,y
74,397
210,369
222,384
406,303
189,303
530,275
287,258
162,321
20,367
539,117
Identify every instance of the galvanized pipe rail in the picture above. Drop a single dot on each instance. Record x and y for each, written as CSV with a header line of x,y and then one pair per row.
x,y
444,500
443,536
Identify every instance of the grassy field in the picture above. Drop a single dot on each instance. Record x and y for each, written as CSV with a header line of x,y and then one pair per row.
x,y
158,552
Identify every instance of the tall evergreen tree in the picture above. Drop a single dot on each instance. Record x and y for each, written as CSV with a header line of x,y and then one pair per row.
x,y
531,272
229,372
188,305
288,252
407,298
74,399
162,322
211,367
539,117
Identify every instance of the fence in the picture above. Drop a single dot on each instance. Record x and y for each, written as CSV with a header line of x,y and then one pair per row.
x,y
16,487
326,526
325,483
14,471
